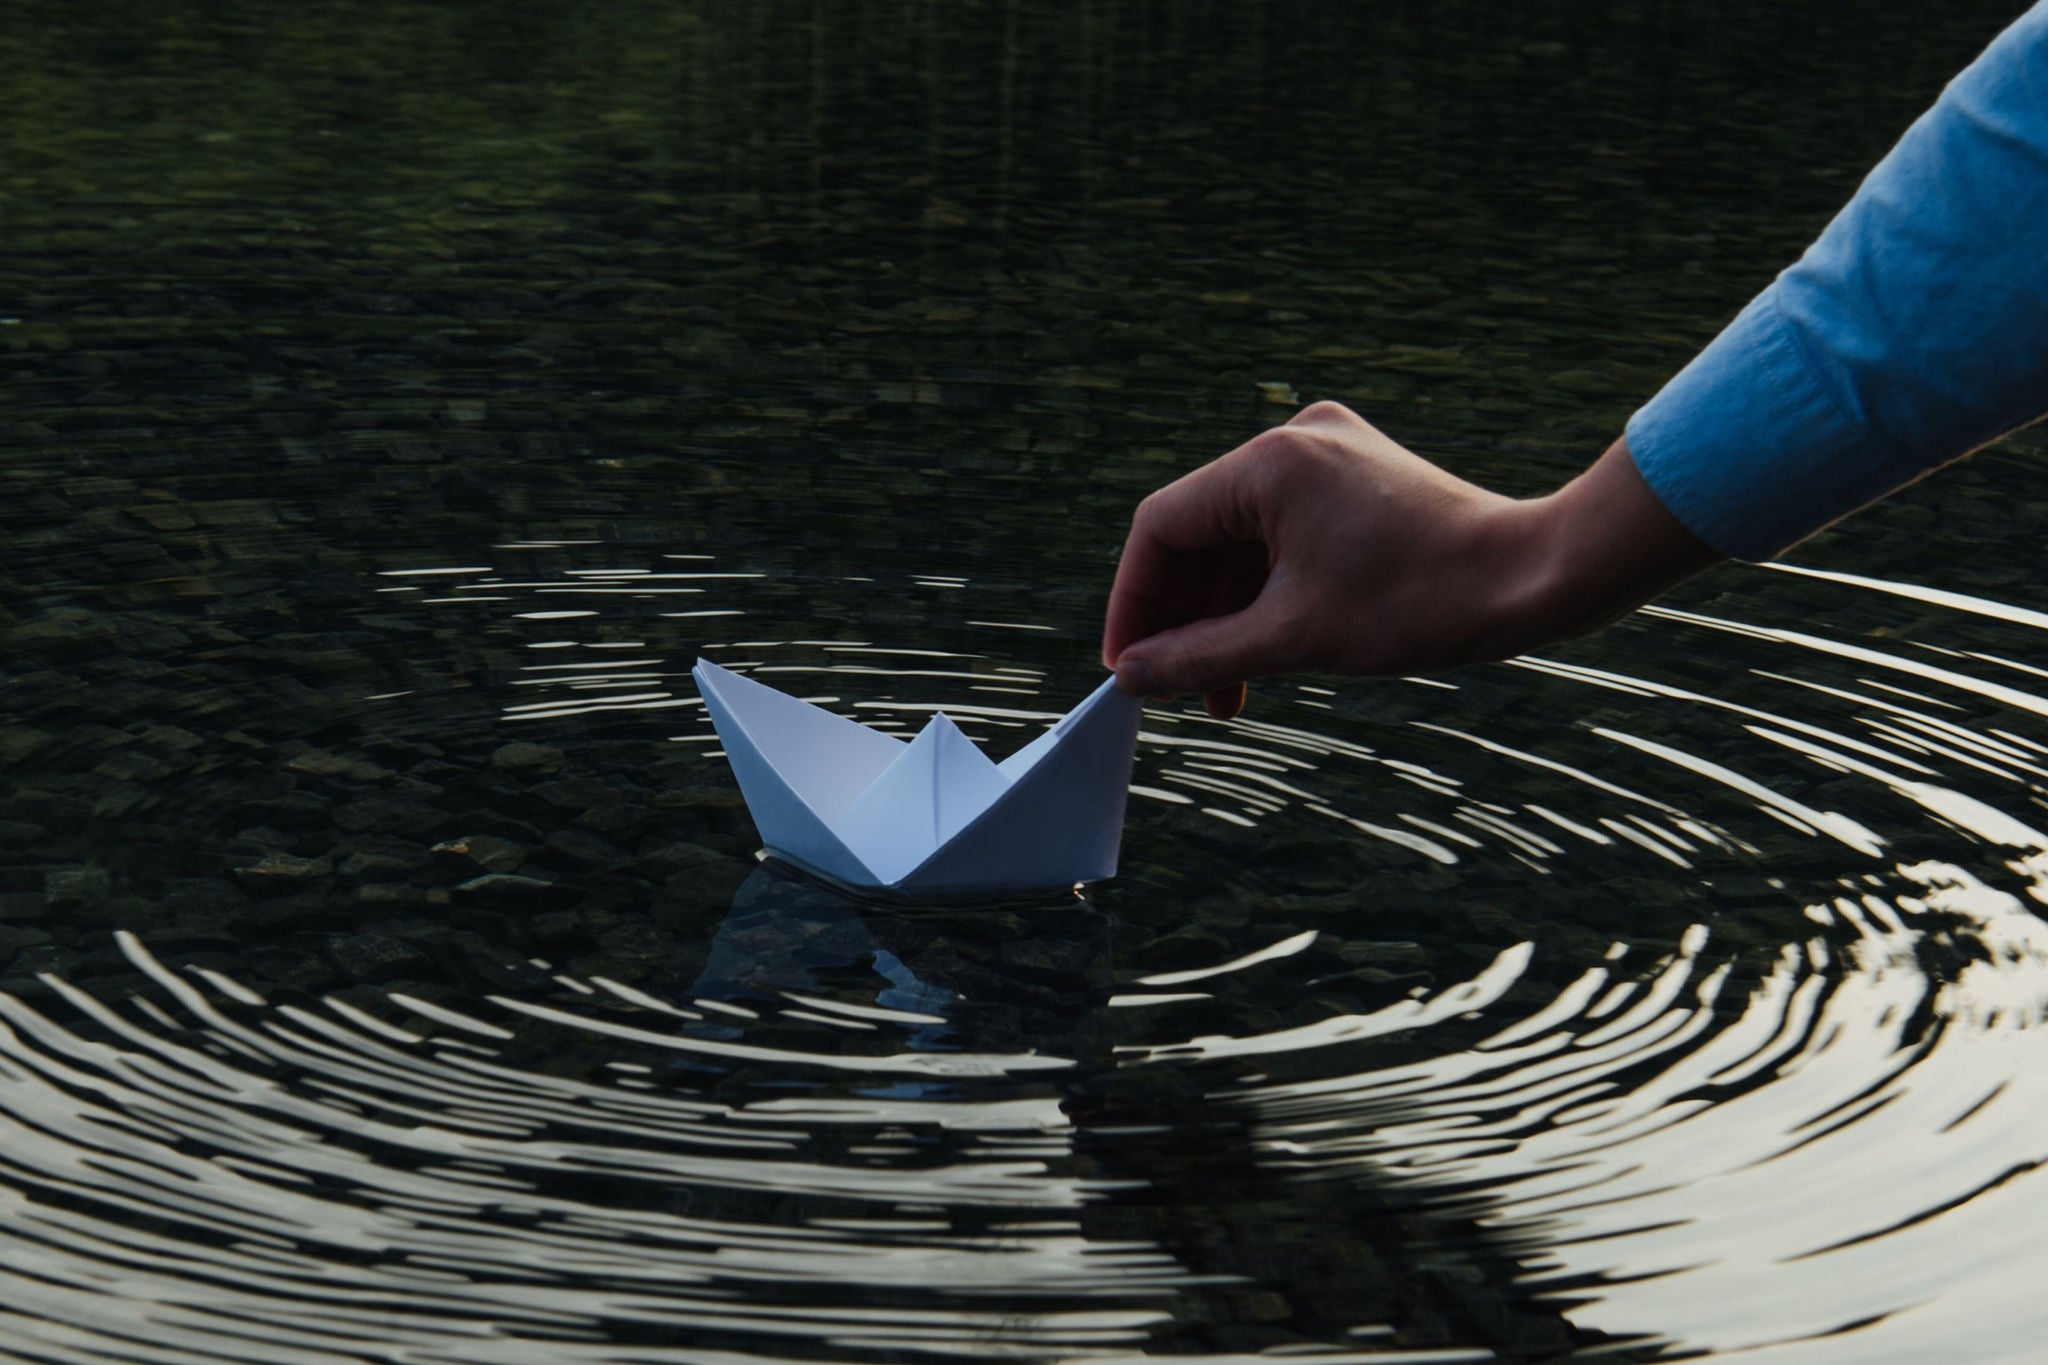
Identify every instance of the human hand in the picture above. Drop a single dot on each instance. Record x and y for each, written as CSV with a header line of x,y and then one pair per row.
x,y
1324,546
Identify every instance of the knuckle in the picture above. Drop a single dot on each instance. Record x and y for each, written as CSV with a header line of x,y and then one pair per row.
x,y
1274,443
1282,446
1322,411
1286,456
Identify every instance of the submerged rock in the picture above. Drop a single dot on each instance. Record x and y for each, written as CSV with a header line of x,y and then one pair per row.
x,y
15,937
513,894
280,874
18,906
483,851
320,763
75,885
375,956
528,759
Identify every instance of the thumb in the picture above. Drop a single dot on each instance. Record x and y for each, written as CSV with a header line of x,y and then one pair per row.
x,y
1206,656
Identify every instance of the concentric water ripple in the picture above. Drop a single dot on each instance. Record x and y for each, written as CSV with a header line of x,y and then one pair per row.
x,y
1575,1004
326,1182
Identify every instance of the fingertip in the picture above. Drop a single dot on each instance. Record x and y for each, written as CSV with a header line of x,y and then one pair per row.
x,y
1134,677
1224,703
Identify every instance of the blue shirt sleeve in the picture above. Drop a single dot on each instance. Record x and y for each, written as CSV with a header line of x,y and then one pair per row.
x,y
1912,332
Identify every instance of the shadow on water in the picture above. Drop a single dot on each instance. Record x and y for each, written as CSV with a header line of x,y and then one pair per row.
x,y
1264,1270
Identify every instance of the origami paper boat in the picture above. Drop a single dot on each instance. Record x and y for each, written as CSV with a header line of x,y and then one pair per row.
x,y
932,818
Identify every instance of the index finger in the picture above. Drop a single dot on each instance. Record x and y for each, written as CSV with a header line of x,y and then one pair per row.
x,y
1159,580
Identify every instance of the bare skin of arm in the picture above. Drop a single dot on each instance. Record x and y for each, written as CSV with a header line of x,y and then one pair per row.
x,y
1323,546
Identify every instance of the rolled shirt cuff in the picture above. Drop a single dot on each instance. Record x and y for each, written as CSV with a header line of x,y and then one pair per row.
x,y
1748,450
1914,330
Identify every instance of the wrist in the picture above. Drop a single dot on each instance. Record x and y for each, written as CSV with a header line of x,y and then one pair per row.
x,y
1594,550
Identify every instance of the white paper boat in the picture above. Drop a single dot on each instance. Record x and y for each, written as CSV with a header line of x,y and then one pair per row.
x,y
932,818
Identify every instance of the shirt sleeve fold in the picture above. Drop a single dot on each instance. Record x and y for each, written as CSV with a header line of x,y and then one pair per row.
x,y
1914,330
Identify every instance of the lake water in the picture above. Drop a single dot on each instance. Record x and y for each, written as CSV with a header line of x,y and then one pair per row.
x,y
399,398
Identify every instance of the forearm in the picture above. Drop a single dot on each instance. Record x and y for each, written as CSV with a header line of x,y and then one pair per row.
x,y
1913,331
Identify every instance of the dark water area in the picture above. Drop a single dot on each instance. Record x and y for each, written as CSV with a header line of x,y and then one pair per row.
x,y
397,398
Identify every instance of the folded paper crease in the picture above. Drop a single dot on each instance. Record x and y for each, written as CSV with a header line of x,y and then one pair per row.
x,y
932,817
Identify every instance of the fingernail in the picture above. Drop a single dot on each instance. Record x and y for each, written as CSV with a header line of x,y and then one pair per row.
x,y
1135,677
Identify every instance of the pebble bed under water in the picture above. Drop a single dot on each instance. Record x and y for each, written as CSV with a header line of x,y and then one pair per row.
x,y
1441,1019
387,969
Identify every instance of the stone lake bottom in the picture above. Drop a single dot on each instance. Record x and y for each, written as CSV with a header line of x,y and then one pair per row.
x,y
399,397
1415,1027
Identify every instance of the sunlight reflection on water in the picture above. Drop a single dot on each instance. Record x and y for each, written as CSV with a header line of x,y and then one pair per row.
x,y
1742,1134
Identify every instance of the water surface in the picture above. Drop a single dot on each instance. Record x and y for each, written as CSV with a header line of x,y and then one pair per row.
x,y
399,398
